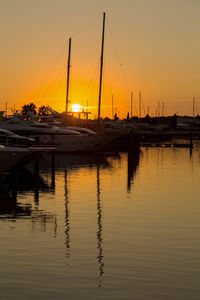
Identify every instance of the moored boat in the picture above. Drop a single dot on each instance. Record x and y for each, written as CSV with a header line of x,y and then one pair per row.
x,y
11,157
64,139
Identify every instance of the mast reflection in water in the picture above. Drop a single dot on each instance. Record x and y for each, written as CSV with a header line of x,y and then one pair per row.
x,y
108,218
67,223
15,187
133,163
100,228
40,180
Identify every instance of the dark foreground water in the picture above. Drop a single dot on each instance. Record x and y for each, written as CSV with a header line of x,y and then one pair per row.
x,y
120,227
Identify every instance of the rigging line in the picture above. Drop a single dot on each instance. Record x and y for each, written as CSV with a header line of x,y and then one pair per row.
x,y
84,27
106,79
56,62
60,54
58,78
109,85
104,94
61,72
136,110
60,83
52,83
114,43
49,71
53,65
109,93
93,79
118,56
108,75
143,108
94,76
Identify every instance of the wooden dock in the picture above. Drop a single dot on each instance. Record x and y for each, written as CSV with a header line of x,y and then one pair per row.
x,y
166,145
42,148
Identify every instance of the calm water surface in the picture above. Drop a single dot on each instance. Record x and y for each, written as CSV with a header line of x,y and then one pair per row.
x,y
107,227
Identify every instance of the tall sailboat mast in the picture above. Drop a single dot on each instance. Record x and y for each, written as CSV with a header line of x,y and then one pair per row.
x,y
68,76
131,104
101,67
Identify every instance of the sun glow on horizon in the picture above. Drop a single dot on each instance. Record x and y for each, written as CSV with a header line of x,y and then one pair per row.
x,y
76,108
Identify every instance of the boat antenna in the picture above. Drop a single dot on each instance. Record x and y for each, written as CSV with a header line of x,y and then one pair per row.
x,y
193,107
163,108
101,67
140,105
68,76
158,108
112,107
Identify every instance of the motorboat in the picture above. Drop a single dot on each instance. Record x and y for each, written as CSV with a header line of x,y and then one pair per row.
x,y
11,157
64,139
50,120
8,138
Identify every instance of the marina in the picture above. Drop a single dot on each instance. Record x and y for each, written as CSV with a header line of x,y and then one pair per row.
x,y
99,150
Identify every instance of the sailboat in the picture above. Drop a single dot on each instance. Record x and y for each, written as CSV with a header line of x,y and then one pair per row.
x,y
66,139
95,141
101,139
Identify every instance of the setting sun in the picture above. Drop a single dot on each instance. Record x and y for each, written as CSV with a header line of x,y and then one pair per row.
x,y
76,108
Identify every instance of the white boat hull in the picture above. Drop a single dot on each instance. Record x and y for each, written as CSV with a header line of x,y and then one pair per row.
x,y
65,140
77,143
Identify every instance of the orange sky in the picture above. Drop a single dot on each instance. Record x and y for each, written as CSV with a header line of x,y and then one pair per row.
x,y
150,45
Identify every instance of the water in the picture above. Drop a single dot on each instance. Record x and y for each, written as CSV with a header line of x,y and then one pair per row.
x,y
106,227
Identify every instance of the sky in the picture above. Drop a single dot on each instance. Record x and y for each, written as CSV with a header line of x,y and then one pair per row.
x,y
152,46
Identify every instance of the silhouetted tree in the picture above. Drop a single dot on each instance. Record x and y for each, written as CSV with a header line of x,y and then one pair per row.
x,y
29,108
44,110
107,119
